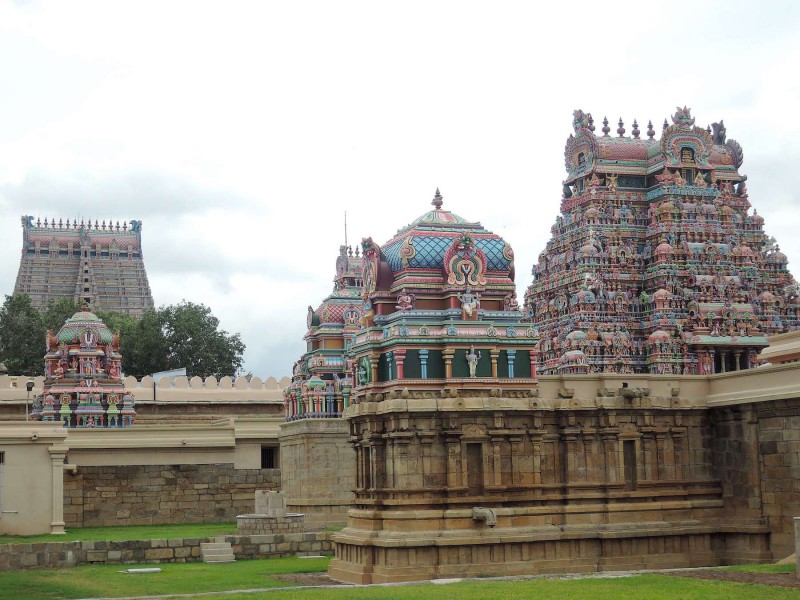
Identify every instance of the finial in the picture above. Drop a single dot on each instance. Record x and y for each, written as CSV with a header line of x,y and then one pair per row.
x,y
665,124
708,128
650,132
437,200
606,128
591,123
635,131
620,128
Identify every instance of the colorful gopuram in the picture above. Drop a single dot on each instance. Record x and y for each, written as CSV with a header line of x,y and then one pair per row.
x,y
445,381
322,377
99,264
656,264
83,384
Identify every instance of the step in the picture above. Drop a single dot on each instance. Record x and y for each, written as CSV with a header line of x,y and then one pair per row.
x,y
216,552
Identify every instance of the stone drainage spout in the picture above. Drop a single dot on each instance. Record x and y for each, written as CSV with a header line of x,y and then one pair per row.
x,y
488,515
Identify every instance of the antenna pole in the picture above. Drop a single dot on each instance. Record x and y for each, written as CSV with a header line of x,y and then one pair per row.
x,y
345,229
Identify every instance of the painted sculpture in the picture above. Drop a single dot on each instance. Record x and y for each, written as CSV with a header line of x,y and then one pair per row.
x,y
83,386
655,264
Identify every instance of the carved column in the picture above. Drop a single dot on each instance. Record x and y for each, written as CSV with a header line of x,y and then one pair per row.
x,y
399,359
423,363
497,462
612,456
448,354
454,462
494,354
660,456
511,355
373,362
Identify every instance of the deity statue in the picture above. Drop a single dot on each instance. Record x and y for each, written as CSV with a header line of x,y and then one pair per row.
x,y
470,302
472,360
405,301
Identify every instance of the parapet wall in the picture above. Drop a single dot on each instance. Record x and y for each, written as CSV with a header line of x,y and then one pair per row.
x,y
12,388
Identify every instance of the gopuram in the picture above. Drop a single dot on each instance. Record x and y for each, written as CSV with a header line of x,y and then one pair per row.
x,y
656,264
99,264
613,455
83,386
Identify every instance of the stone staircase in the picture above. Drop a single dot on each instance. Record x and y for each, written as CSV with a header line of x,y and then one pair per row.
x,y
218,551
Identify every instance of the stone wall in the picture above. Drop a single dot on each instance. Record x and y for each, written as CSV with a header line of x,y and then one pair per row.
x,y
161,494
320,469
757,459
69,554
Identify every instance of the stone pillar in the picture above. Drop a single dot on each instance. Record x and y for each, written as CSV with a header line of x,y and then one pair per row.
x,y
399,359
611,451
448,362
423,363
57,454
373,362
511,355
494,354
389,369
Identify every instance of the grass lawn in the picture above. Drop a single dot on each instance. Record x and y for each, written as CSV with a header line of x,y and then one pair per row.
x,y
132,532
645,587
92,581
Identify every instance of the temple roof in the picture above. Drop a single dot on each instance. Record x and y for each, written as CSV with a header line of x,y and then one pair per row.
x,y
73,327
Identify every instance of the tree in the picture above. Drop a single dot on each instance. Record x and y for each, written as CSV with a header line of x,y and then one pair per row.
x,y
22,337
194,341
58,310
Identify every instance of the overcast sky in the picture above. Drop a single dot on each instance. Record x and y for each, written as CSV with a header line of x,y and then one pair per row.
x,y
240,132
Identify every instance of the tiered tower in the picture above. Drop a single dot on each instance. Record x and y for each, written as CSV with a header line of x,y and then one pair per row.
x,y
445,382
83,385
322,377
656,264
99,264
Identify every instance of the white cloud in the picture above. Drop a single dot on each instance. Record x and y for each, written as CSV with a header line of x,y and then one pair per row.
x,y
240,132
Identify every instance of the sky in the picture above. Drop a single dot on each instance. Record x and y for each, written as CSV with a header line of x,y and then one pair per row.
x,y
239,133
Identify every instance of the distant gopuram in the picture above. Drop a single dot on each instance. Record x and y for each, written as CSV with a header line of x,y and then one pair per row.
x,y
655,264
99,264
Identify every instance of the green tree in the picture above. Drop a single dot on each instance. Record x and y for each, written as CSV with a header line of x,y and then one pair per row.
x,y
58,310
194,340
22,337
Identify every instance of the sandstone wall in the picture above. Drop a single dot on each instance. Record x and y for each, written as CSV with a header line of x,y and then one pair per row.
x,y
160,494
757,459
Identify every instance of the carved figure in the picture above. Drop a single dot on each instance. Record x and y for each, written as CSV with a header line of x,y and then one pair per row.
x,y
472,360
470,302
405,301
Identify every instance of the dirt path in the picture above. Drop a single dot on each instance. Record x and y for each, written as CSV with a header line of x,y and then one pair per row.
x,y
787,580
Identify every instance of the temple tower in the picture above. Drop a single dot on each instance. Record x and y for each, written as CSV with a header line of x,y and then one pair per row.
x,y
96,264
655,264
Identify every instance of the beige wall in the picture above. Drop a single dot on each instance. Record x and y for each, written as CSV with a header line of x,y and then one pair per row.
x,y
31,485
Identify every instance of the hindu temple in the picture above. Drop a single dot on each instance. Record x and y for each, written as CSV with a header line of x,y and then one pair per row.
x,y
83,384
656,263
100,264
445,378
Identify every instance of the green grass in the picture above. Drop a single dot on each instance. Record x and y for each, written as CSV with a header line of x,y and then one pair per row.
x,y
765,568
92,581
646,587
132,532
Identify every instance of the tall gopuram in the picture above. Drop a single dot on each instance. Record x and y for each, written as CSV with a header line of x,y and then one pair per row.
x,y
441,415
656,264
99,264
83,384
317,461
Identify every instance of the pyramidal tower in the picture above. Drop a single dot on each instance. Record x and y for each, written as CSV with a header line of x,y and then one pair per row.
x,y
656,263
98,264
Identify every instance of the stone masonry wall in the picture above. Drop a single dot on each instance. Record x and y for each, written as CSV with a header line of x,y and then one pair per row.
x,y
69,554
160,494
756,451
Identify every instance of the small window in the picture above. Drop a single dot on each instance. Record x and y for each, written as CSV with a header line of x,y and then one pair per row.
x,y
268,457
687,155
581,160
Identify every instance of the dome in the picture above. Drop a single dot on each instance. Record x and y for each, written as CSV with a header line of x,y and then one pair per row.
x,y
661,294
757,218
73,327
664,248
425,242
743,251
591,213
659,335
576,336
766,297
572,357
623,148
588,250
777,257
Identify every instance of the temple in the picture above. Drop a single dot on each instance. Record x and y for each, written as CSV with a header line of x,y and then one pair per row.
x,y
655,264
99,264
83,386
